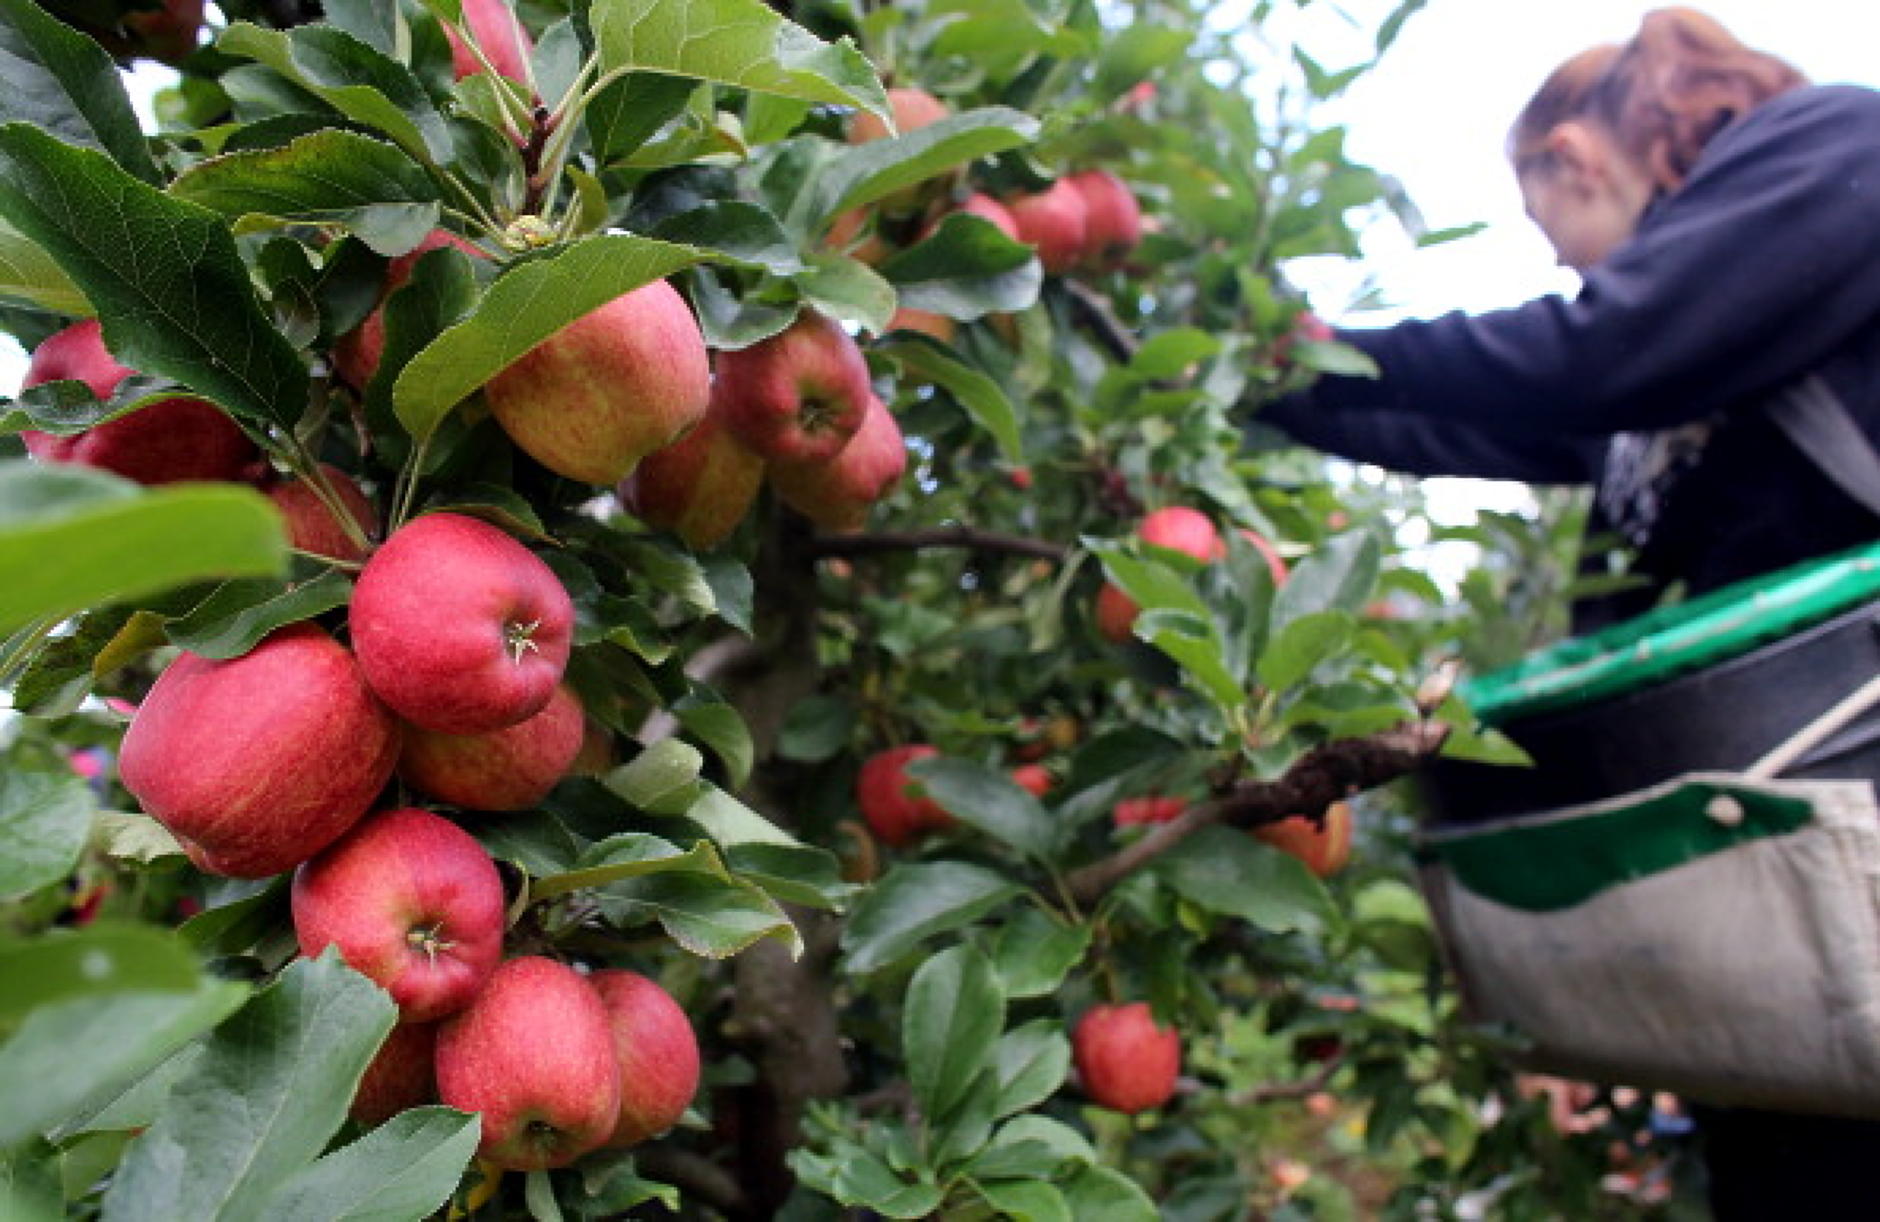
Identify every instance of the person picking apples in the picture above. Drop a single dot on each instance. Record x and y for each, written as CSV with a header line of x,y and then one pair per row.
x,y
1721,213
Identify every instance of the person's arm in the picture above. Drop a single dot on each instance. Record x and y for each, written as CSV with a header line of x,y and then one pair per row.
x,y
1418,445
1753,273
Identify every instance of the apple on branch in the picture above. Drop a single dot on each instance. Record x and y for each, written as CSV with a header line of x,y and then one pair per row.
x,y
619,382
699,488
1178,528
508,769
1324,845
896,808
913,109
171,440
500,35
534,1054
1056,221
258,762
837,493
657,1050
311,524
460,628
796,396
413,902
356,354
1113,218
1125,1060
401,1076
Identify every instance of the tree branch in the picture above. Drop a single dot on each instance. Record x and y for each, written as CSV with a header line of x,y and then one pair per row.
x,y
1110,330
940,537
1325,774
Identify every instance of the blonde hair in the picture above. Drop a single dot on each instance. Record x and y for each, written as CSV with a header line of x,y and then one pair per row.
x,y
1662,96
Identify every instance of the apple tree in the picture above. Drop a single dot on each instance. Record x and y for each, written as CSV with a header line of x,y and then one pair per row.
x,y
633,607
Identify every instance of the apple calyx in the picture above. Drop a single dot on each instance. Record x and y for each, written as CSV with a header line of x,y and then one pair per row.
x,y
520,639
431,941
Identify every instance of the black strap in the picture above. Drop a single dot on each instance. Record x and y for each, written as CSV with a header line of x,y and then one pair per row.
x,y
1813,416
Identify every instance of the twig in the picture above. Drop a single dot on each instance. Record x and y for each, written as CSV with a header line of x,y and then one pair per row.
x,y
940,537
1300,1088
1325,774
696,1176
1110,329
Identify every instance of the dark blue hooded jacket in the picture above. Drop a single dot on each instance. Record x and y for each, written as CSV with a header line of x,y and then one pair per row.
x,y
1652,383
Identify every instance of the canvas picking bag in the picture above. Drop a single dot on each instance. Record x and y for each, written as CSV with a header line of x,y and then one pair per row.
x,y
1691,901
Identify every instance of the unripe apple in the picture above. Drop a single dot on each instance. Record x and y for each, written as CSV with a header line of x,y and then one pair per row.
x,y
1324,848
508,769
458,627
699,488
311,525
403,1075
1176,527
837,494
413,902
534,1054
171,440
494,25
658,1054
257,763
797,396
1150,808
357,353
1113,218
1126,1061
1055,221
593,399
895,806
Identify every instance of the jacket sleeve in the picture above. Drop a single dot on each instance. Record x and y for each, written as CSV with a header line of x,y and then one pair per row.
x,y
1753,273
1419,445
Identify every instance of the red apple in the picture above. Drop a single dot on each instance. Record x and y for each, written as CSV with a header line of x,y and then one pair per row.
x,y
1125,1059
413,902
458,627
1176,527
357,353
1056,221
1113,219
1324,848
837,494
593,399
927,322
508,769
401,1076
257,763
657,1051
1034,779
699,488
1150,808
983,205
182,438
797,396
534,1054
168,33
311,526
896,808
493,24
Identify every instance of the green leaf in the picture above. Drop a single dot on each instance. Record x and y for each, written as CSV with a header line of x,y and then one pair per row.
x,y
328,177
406,1168
72,1057
730,822
1292,652
45,819
172,292
733,42
29,274
967,268
668,767
629,855
816,728
1339,575
988,799
1104,1194
707,916
1026,1200
1168,354
848,289
62,82
233,619
270,1089
629,111
29,1185
924,360
71,538
860,1177
721,727
1034,953
864,173
739,230
522,308
913,902
1195,644
1227,871
1031,1063
949,1025
797,874
364,85
77,964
